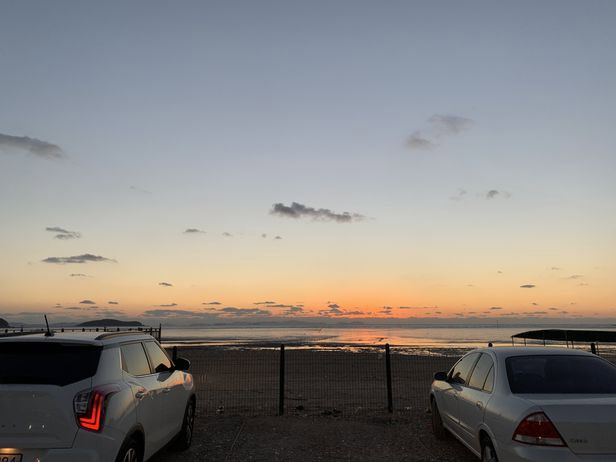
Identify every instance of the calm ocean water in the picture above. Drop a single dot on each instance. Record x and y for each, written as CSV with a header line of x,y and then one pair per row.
x,y
440,337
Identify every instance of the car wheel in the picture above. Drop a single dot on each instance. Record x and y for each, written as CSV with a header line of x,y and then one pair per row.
x,y
437,423
129,452
488,454
184,438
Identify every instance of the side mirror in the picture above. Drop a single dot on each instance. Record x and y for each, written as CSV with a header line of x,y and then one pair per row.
x,y
181,364
442,376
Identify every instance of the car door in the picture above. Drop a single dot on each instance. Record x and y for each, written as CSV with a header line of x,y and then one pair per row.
x,y
473,399
147,391
174,396
456,379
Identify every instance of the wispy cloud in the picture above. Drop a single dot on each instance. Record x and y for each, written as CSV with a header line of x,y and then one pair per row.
x,y
233,311
211,303
264,303
111,302
87,302
495,308
139,190
36,147
226,234
165,284
194,231
495,193
576,276
61,233
438,126
168,313
297,210
168,305
528,286
83,258
79,275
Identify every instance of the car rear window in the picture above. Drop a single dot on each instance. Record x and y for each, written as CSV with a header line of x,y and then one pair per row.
x,y
560,374
47,363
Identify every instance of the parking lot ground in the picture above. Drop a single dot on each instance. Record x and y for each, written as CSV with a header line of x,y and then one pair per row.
x,y
318,438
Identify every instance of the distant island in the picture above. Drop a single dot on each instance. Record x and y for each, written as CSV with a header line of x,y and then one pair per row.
x,y
3,323
110,323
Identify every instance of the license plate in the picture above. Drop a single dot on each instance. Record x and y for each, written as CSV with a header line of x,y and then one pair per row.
x,y
4,457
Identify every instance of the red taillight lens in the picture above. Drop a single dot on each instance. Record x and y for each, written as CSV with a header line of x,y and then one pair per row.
x,y
538,429
90,406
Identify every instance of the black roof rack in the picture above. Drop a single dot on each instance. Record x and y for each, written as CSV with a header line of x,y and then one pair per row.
x,y
568,335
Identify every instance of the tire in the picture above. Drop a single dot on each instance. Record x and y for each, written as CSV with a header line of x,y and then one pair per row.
x,y
130,452
184,438
437,423
488,454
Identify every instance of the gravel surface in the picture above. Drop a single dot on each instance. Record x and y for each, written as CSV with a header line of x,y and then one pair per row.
x,y
318,438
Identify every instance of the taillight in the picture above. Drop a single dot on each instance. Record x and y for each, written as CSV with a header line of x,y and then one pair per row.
x,y
90,406
538,429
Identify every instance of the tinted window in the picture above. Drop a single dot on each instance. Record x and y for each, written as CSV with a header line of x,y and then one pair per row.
x,y
47,363
480,373
489,383
134,360
460,371
158,358
560,374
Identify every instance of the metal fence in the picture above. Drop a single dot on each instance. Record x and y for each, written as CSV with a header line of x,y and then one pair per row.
x,y
245,380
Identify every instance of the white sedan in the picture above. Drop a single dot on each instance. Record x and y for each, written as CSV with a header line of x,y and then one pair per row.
x,y
529,405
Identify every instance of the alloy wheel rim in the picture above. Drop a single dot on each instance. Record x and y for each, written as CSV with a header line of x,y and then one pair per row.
x,y
488,454
131,455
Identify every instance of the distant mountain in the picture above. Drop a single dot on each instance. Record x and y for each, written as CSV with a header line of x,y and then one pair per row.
x,y
3,323
110,323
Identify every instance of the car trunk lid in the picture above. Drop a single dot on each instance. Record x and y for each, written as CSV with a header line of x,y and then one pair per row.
x,y
587,423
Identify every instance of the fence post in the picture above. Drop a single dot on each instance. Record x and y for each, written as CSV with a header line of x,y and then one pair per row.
x,y
281,383
390,404
160,333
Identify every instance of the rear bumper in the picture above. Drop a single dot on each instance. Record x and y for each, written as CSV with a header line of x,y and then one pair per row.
x,y
528,453
87,447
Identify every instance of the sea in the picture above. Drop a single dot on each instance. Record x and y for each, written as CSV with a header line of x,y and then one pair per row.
x,y
439,337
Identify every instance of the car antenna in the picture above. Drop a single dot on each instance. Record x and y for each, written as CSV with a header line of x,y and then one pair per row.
x,y
49,333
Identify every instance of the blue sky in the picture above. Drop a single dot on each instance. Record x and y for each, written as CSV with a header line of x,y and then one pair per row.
x,y
204,114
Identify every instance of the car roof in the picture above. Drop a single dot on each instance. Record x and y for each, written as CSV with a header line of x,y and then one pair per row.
x,y
89,337
505,352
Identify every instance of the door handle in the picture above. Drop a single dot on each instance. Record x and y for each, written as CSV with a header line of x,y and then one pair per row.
x,y
479,404
166,390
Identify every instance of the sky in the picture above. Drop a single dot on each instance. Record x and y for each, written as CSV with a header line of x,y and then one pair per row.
x,y
189,161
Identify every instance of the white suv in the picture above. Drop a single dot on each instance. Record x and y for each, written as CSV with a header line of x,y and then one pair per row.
x,y
91,397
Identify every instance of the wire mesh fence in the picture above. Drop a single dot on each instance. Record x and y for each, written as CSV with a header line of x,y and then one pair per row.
x,y
245,380
249,380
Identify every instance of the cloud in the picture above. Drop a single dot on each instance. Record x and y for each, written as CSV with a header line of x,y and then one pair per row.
x,y
194,231
495,193
79,275
169,305
553,309
165,284
264,235
460,194
277,238
333,310
576,276
438,127
294,310
582,284
385,310
555,268
167,313
264,303
528,286
139,190
418,142
34,146
494,308
445,124
113,303
231,310
62,233
211,303
83,258
226,234
87,302
297,210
